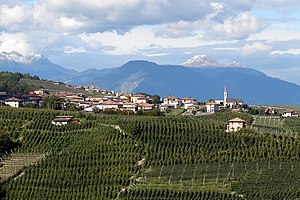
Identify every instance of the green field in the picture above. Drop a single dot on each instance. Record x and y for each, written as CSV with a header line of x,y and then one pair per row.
x,y
51,86
144,157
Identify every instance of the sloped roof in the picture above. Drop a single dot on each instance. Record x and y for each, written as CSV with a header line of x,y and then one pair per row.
x,y
13,99
234,100
237,120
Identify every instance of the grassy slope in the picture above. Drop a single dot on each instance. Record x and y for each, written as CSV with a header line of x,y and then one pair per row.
x,y
181,158
51,86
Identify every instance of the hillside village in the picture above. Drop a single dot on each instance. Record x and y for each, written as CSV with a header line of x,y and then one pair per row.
x,y
96,100
103,100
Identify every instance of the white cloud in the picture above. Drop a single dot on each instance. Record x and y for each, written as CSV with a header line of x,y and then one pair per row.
x,y
71,23
140,39
152,54
178,29
272,35
241,4
239,27
108,15
15,42
11,17
256,48
283,6
227,48
69,50
289,51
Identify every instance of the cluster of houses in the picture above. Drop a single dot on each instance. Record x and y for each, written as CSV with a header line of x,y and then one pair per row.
x,y
18,101
126,102
109,100
135,102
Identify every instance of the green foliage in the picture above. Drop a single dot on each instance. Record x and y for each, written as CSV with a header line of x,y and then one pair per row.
x,y
6,144
176,112
52,103
10,83
71,107
117,112
52,86
156,99
149,157
154,112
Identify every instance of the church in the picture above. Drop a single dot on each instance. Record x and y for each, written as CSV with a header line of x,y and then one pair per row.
x,y
231,102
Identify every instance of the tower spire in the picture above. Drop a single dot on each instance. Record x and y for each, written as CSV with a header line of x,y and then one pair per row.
x,y
225,96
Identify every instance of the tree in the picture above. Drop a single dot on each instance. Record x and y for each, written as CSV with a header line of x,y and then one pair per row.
x,y
6,144
10,83
156,99
71,107
52,103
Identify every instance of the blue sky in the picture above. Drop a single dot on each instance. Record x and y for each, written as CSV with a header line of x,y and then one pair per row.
x,y
80,34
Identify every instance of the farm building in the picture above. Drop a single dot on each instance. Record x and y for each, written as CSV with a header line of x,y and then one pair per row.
x,y
235,125
62,120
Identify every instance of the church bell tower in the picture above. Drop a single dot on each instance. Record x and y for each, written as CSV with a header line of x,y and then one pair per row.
x,y
225,96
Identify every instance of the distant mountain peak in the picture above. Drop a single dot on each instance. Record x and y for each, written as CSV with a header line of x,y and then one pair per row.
x,y
34,64
203,60
140,62
19,58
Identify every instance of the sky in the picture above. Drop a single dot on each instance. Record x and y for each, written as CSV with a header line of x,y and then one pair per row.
x,y
83,34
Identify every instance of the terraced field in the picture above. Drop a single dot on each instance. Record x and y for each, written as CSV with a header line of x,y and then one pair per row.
x,y
142,157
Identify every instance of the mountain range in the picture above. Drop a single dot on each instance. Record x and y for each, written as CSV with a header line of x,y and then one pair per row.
x,y
205,80
35,64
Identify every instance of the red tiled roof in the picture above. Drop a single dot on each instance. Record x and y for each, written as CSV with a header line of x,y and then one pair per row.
x,y
145,105
109,102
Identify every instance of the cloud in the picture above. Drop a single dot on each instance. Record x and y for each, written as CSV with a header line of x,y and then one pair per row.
x,y
155,54
120,15
239,27
101,16
15,42
227,48
289,51
274,34
69,50
282,6
71,23
12,17
178,29
241,4
256,48
140,39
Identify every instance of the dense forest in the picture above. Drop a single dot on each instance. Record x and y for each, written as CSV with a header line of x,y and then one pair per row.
x,y
145,157
10,83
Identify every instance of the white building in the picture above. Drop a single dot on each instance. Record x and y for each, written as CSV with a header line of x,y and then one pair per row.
x,y
14,102
129,106
187,100
111,105
225,96
189,105
235,125
62,120
145,106
172,101
231,102
212,107
135,97
290,113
